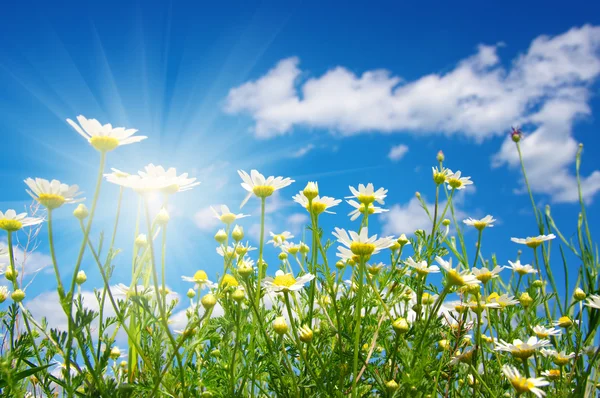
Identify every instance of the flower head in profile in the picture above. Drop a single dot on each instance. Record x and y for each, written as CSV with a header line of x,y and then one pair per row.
x,y
153,179
502,300
455,181
485,275
520,349
455,276
10,221
521,269
52,194
104,138
543,332
286,282
523,384
421,267
226,216
485,222
533,241
278,239
558,358
200,278
318,205
359,209
593,301
256,184
360,245
367,194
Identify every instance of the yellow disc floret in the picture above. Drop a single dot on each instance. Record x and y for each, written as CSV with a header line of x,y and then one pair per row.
x,y
362,249
51,201
10,225
285,280
200,276
104,143
263,191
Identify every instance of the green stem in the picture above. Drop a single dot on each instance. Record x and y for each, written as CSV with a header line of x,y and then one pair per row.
x,y
357,324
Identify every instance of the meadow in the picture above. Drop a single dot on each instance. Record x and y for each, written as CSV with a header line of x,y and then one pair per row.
x,y
343,313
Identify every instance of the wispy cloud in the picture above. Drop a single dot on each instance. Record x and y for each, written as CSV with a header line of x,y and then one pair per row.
x,y
547,87
397,152
302,151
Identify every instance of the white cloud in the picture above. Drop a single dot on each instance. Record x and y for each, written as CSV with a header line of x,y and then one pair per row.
x,y
547,87
302,151
397,152
205,219
296,222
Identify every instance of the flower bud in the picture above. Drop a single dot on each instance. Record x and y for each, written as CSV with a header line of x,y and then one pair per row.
x,y
440,156
516,134
311,190
306,334
238,295
238,233
80,278
162,218
81,212
304,249
564,322
445,222
402,240
537,283
208,301
375,268
444,344
115,353
391,386
3,293
221,236
18,295
525,299
244,270
283,256
579,294
191,293
340,264
401,326
280,325
141,241
11,274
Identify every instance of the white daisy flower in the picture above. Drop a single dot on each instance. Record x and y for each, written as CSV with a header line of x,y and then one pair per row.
x,y
52,194
485,275
455,181
359,209
478,306
520,349
593,301
503,301
552,374
200,278
455,276
523,384
11,221
543,332
256,184
104,138
286,282
360,244
319,204
290,248
421,267
533,241
487,221
227,252
558,358
123,290
367,194
278,239
226,216
242,249
521,269
153,179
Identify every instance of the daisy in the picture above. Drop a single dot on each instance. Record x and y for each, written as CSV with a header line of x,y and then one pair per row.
x,y
533,241
286,282
565,322
440,175
153,179
520,349
486,221
542,332
319,204
455,181
478,306
454,276
226,252
242,249
290,248
593,301
360,244
261,187
278,239
104,138
558,358
485,275
521,269
226,216
125,291
421,267
503,301
10,221
359,209
200,279
367,194
524,384
52,194
552,374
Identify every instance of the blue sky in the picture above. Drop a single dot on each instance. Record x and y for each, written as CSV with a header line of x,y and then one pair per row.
x,y
305,90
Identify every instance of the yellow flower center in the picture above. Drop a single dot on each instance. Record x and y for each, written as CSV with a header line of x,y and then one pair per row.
x,y
200,276
10,225
454,278
523,353
362,249
522,384
480,225
542,335
103,143
553,374
263,191
439,177
293,250
51,201
427,299
565,322
317,207
493,297
285,280
484,276
370,209
560,360
533,243
455,183
228,218
366,199
229,280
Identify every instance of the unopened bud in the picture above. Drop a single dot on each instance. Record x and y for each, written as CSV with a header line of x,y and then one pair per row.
x,y
311,190
579,294
280,325
80,278
81,212
306,334
18,295
525,299
238,233
401,326
440,156
208,301
162,218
